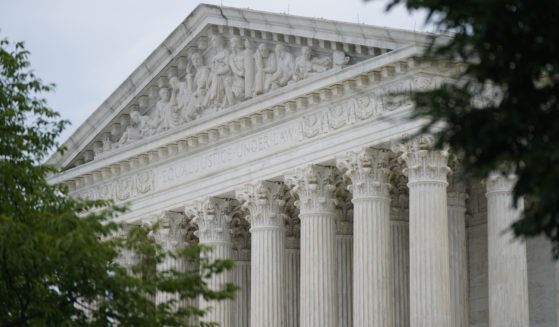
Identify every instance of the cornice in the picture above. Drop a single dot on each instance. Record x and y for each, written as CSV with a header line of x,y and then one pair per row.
x,y
207,16
274,106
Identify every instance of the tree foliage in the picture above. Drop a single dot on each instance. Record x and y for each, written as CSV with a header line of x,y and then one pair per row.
x,y
512,51
59,257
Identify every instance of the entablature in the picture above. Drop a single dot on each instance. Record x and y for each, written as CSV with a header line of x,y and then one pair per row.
x,y
321,105
219,60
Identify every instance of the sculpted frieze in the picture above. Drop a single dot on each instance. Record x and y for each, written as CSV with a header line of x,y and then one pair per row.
x,y
223,156
320,121
231,70
121,189
342,114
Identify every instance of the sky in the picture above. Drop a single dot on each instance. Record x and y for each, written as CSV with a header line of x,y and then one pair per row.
x,y
89,47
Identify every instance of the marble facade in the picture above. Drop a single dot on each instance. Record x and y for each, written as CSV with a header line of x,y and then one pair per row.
x,y
275,139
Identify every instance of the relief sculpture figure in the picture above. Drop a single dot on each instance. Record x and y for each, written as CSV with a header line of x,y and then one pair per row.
x,y
286,65
198,84
168,115
234,73
266,65
220,94
248,57
237,64
140,126
306,66
339,59
180,93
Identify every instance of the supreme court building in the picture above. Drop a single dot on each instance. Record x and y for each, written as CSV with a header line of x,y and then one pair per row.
x,y
274,139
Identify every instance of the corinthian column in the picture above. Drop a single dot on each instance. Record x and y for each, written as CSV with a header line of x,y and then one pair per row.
x,y
372,278
172,237
429,254
265,201
314,187
240,235
344,254
292,264
399,216
213,216
456,197
508,278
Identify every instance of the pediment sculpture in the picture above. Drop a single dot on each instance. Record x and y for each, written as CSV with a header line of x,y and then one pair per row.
x,y
231,70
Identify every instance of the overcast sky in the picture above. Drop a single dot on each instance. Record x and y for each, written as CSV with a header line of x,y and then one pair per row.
x,y
88,47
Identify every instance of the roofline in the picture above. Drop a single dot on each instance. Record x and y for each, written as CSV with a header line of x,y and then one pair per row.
x,y
202,16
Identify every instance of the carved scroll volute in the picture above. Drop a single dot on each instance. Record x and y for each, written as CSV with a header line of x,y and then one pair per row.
x,y
265,203
423,162
344,206
240,236
399,192
213,217
367,171
314,186
456,189
172,231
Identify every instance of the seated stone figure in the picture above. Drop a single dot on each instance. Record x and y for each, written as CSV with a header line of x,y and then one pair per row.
x,y
198,83
286,65
167,114
220,93
306,66
237,65
265,63
180,93
140,127
339,59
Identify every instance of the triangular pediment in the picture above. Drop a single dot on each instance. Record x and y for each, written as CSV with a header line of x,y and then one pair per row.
x,y
221,59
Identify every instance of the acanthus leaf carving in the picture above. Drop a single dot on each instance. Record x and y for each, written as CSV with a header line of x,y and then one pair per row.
x,y
368,172
344,207
265,202
240,236
423,162
213,217
314,187
292,224
399,192
456,189
172,231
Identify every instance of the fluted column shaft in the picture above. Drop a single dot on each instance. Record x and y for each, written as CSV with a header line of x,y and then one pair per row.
x,y
458,258
222,311
213,217
372,278
401,272
344,254
508,278
319,299
292,279
171,239
428,227
242,300
318,270
264,200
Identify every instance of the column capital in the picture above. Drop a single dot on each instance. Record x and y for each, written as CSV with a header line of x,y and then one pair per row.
x,y
368,171
498,182
240,237
423,163
265,202
172,231
213,216
314,185
456,190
